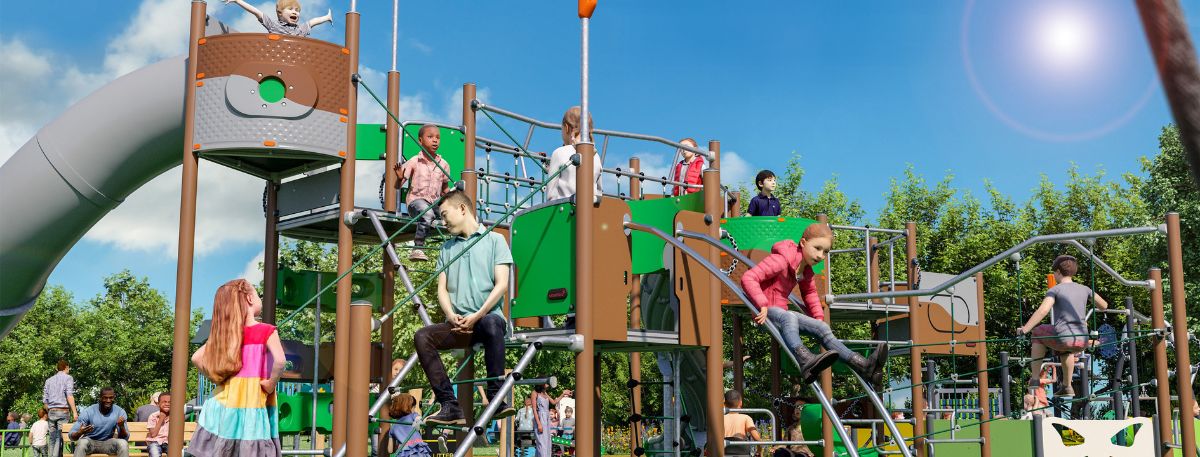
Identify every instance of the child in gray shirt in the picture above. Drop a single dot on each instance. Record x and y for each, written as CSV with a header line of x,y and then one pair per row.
x,y
287,18
1068,334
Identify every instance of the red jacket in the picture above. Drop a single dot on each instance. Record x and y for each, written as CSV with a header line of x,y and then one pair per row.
x,y
770,282
695,176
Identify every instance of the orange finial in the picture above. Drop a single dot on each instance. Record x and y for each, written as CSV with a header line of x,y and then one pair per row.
x,y
1050,282
586,7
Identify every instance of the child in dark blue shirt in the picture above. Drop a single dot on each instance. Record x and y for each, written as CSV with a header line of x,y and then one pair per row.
x,y
765,203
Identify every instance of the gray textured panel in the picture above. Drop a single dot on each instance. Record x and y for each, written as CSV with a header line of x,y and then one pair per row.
x,y
219,127
309,193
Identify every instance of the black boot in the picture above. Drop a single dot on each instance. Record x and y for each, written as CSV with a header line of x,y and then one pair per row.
x,y
811,365
450,414
871,367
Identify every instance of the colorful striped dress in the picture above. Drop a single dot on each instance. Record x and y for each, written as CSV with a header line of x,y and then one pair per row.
x,y
240,419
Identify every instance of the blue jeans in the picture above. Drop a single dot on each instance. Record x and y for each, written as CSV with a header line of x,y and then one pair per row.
x,y
791,324
54,439
156,449
425,223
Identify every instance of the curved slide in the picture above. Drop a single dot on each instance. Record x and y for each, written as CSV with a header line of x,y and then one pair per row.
x,y
77,169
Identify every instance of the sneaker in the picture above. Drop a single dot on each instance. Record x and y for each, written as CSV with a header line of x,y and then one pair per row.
x,y
449,414
417,254
503,411
1065,391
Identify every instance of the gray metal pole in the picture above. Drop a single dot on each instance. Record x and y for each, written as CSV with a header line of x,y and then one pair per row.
x,y
316,362
1135,402
1005,385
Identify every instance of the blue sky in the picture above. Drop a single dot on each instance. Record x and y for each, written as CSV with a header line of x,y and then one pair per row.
x,y
858,89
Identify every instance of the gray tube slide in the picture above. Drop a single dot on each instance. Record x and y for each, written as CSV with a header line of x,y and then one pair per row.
x,y
77,169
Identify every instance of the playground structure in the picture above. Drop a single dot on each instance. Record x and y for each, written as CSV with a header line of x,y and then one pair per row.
x,y
284,109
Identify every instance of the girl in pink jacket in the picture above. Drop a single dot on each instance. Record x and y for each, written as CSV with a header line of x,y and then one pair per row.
x,y
769,284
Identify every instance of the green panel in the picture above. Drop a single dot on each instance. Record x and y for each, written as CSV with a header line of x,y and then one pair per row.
x,y
811,417
1010,438
297,287
760,233
659,213
295,412
452,148
370,142
543,248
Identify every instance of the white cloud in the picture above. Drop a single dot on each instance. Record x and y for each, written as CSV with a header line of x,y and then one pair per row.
x,y
736,170
158,30
253,272
228,210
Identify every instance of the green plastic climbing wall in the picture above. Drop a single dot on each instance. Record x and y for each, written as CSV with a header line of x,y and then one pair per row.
x,y
659,213
543,248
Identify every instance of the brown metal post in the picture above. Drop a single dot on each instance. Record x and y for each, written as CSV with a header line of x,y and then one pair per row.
x,y
587,400
271,254
826,378
735,204
1183,375
776,382
1161,377
342,328
358,409
1174,53
635,318
714,207
918,391
469,174
739,382
387,334
981,364
180,349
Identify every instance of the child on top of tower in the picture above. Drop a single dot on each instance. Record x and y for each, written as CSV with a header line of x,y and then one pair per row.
x,y
765,203
287,18
563,186
769,284
1069,333
428,176
689,170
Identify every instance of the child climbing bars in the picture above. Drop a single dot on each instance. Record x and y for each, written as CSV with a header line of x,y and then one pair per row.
x,y
427,178
1068,333
287,18
245,359
770,283
405,435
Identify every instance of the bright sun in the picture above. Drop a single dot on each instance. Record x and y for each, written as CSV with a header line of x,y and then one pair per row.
x,y
1065,39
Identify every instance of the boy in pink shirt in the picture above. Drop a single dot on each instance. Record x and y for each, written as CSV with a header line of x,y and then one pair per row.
x,y
427,175
157,427
769,284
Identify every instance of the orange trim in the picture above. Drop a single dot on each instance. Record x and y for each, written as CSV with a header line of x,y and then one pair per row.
x,y
724,301
343,119
781,219
196,146
724,220
202,41
273,37
345,51
199,83
199,75
724,254
269,143
342,153
343,111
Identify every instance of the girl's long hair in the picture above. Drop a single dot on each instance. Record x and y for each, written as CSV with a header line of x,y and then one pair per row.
x,y
571,125
223,354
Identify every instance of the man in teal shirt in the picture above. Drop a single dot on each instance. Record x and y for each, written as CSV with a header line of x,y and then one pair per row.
x,y
469,290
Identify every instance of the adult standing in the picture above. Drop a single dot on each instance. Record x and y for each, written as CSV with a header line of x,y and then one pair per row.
x,y
144,412
58,396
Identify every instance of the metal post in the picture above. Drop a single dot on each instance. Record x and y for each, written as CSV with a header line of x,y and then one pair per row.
x,y
1175,58
187,237
271,254
1162,381
1005,385
1135,403
739,383
635,318
387,334
827,375
714,207
469,174
1183,367
342,329
358,415
918,396
316,362
587,399
1085,383
981,365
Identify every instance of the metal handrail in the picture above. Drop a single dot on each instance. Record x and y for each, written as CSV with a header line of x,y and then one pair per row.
x,y
478,105
1059,237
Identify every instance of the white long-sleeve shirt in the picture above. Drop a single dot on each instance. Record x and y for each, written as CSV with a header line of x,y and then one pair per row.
x,y
564,185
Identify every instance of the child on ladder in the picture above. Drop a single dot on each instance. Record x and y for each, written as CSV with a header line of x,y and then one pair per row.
x,y
768,286
1068,333
406,437
429,179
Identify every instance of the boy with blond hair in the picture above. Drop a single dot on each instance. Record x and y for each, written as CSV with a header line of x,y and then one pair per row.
x,y
287,18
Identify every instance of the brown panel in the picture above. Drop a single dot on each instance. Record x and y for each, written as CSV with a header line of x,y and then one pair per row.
x,y
936,326
611,272
249,54
692,284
